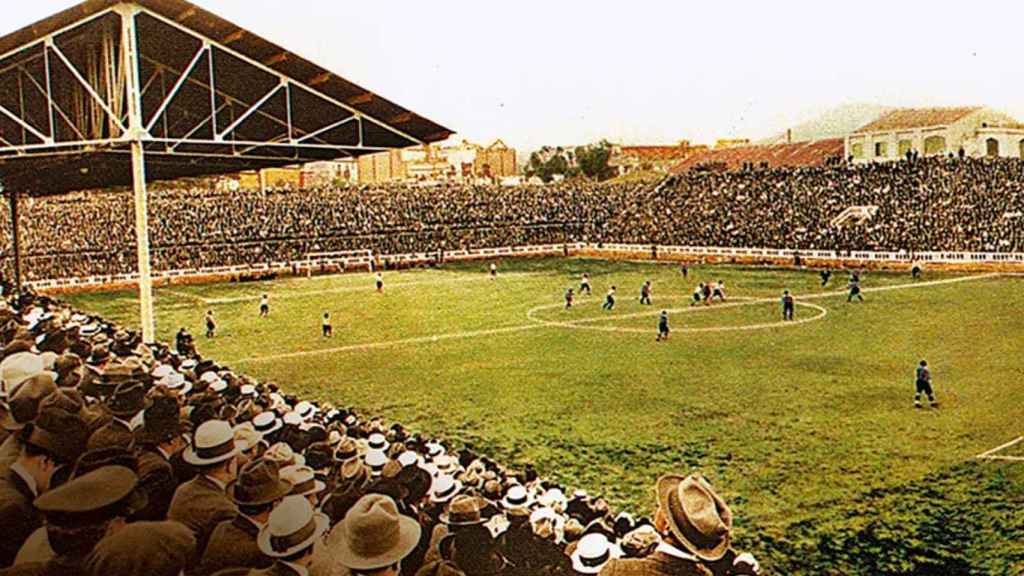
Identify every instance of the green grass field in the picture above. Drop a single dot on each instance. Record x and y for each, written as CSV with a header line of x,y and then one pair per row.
x,y
796,425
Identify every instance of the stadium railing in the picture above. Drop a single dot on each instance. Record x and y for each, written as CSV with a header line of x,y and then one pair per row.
x,y
596,249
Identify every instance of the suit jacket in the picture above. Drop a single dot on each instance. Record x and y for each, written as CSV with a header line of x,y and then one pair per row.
x,y
201,504
18,517
275,569
113,434
657,564
9,452
55,567
156,477
233,545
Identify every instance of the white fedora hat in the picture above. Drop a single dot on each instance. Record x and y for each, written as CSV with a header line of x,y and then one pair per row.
x,y
592,552
214,442
293,526
517,497
267,423
444,489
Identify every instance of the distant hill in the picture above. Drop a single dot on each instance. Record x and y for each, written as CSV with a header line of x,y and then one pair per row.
x,y
835,123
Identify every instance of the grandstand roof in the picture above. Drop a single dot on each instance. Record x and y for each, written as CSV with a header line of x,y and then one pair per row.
x,y
812,153
910,118
213,98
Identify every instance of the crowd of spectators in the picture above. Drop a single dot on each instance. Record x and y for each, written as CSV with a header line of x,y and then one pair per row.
x,y
119,457
934,204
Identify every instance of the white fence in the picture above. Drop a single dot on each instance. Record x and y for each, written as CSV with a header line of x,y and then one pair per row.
x,y
640,250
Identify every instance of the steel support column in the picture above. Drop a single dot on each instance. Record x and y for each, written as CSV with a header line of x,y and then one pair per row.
x,y
136,131
12,195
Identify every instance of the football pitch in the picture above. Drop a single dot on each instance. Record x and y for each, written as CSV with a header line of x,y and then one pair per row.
x,y
794,422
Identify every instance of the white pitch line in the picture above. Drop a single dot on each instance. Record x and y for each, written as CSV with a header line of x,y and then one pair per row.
x,y
1009,444
391,343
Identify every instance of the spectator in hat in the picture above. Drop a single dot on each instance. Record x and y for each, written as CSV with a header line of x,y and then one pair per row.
x,y
527,551
144,549
461,513
22,408
233,543
79,514
289,537
37,547
474,552
202,503
53,440
696,529
592,552
126,404
373,538
158,440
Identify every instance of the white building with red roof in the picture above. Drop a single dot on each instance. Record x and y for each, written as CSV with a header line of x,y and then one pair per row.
x,y
976,131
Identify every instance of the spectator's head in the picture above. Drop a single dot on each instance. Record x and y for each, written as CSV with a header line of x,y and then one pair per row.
x,y
693,517
373,538
213,451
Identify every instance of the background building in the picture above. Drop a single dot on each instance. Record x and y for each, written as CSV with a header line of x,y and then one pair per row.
x,y
450,161
978,131
628,159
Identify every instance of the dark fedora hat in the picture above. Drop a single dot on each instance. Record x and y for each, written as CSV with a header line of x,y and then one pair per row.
x,y
91,498
62,434
128,399
258,483
23,407
161,419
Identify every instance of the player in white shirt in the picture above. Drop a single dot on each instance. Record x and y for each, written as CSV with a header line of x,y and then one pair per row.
x,y
609,299
380,282
719,291
585,284
264,306
494,270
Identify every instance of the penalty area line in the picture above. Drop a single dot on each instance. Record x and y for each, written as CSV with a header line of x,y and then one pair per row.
x,y
991,454
390,343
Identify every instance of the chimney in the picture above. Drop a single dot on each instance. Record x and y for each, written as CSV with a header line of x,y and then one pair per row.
x,y
789,136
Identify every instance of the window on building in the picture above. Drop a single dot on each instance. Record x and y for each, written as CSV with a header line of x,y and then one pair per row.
x,y
934,145
857,150
905,146
992,148
880,149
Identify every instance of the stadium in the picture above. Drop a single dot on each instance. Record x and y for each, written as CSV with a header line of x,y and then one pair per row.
x,y
796,356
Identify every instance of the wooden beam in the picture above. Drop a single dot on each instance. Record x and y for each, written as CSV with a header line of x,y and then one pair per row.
x,y
186,14
233,37
361,99
276,59
401,118
318,80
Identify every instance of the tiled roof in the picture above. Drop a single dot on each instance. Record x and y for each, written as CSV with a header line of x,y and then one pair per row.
x,y
656,152
788,155
907,118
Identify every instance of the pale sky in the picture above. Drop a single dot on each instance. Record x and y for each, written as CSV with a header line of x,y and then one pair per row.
x,y
536,72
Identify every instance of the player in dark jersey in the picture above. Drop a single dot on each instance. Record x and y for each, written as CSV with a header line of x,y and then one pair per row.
x,y
826,275
663,326
325,326
854,288
788,305
706,294
915,271
211,325
568,298
684,270
924,385
645,292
